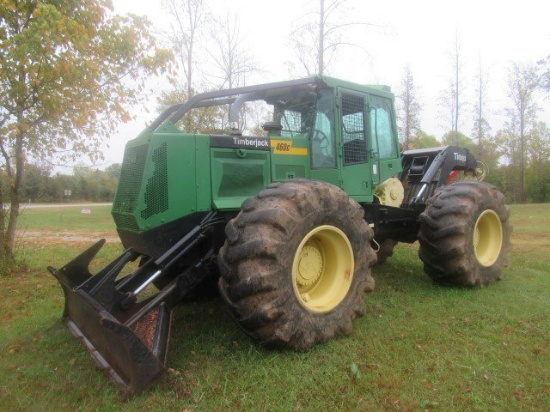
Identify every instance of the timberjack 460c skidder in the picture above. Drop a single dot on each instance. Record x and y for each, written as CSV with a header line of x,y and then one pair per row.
x,y
294,218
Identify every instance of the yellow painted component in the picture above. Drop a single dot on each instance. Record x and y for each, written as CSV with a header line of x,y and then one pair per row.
x,y
482,170
322,270
310,266
488,238
285,147
390,192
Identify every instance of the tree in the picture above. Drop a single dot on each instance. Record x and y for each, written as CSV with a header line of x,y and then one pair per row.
x,y
231,60
451,99
187,22
202,119
522,115
36,187
544,74
537,179
93,184
409,108
230,56
114,170
422,140
68,72
457,139
481,126
322,31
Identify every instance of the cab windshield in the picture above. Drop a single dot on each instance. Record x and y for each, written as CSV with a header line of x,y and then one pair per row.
x,y
310,115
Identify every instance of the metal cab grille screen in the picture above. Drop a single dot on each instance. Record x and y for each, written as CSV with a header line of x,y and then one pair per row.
x,y
156,191
129,186
353,129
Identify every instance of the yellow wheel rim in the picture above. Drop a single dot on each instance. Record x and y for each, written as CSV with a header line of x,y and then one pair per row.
x,y
487,238
322,270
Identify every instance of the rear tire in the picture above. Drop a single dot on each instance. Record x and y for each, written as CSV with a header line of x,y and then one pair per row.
x,y
296,264
465,234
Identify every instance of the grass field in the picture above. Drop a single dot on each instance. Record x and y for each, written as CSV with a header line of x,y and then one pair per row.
x,y
420,347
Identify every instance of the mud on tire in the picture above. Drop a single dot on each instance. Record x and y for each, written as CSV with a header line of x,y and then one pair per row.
x,y
465,234
258,263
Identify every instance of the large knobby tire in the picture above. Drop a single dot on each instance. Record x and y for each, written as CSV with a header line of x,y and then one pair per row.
x,y
465,234
296,264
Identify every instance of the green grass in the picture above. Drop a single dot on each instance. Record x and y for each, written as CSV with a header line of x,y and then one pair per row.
x,y
70,217
420,346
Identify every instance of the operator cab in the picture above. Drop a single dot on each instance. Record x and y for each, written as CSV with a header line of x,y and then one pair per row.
x,y
350,133
319,128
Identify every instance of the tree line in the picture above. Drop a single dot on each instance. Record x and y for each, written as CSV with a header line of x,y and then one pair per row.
x,y
517,153
84,184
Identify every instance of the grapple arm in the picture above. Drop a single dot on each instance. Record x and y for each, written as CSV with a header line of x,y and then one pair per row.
x,y
425,170
127,337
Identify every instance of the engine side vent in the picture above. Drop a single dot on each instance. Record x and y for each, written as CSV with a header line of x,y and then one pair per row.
x,y
129,186
156,191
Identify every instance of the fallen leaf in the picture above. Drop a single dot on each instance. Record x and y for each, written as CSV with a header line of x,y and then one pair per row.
x,y
356,372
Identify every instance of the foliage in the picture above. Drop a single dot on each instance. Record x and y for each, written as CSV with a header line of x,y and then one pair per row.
x,y
64,66
86,184
537,173
68,71
208,119
114,170
518,155
521,122
457,139
544,74
422,140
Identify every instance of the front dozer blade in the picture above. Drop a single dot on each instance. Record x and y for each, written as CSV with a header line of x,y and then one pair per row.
x,y
130,348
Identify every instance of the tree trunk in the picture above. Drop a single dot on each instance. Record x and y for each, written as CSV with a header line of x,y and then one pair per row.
x,y
16,179
522,153
2,225
321,38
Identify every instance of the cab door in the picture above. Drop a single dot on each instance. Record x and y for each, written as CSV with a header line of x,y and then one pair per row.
x,y
383,139
354,154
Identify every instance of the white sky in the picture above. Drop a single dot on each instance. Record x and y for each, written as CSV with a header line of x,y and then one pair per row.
x,y
420,33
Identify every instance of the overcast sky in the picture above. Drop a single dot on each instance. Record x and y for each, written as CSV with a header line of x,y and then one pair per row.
x,y
418,33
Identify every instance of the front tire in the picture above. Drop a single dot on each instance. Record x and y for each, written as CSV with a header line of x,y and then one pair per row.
x,y
296,264
465,234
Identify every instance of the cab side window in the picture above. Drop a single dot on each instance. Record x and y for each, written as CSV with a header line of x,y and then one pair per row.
x,y
381,127
353,129
291,122
323,150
